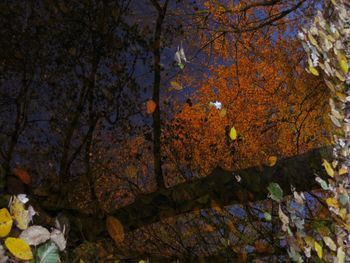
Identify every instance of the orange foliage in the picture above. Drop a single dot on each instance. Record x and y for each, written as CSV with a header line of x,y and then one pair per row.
x,y
276,108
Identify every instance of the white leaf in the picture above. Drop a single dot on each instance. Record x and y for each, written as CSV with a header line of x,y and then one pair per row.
x,y
35,235
284,218
182,54
31,213
335,121
177,56
299,198
23,198
216,104
57,237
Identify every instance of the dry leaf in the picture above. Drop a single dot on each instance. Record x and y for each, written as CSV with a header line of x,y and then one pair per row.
x,y
272,160
22,175
115,229
58,238
35,235
151,106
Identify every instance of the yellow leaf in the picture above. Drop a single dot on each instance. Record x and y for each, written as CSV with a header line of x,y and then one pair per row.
x,y
175,85
318,249
344,66
313,71
19,213
233,133
328,168
272,160
131,171
343,63
330,243
309,241
342,171
343,213
340,255
332,202
81,261
5,222
151,106
19,248
115,229
222,113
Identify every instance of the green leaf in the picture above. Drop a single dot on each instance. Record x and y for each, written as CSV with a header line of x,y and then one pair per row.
x,y
267,216
344,199
47,253
323,183
180,65
276,193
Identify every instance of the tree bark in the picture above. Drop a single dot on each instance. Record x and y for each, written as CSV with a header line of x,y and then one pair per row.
x,y
155,97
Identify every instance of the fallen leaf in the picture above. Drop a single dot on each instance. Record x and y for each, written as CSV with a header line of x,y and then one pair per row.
x,y
19,248
222,113
216,104
115,229
151,106
47,253
313,71
343,171
340,255
35,235
328,168
332,202
284,218
267,216
19,213
309,241
299,198
23,198
233,134
22,175
131,171
272,160
176,85
343,213
5,222
276,193
318,249
57,237
322,182
330,243
343,63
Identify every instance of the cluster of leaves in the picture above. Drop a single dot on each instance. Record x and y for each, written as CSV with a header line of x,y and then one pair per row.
x,y
35,243
326,43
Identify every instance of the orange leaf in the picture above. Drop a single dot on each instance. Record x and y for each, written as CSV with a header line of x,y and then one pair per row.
x,y
261,247
22,175
151,106
115,229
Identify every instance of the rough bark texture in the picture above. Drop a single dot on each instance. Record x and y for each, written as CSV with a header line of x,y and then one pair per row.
x,y
222,187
